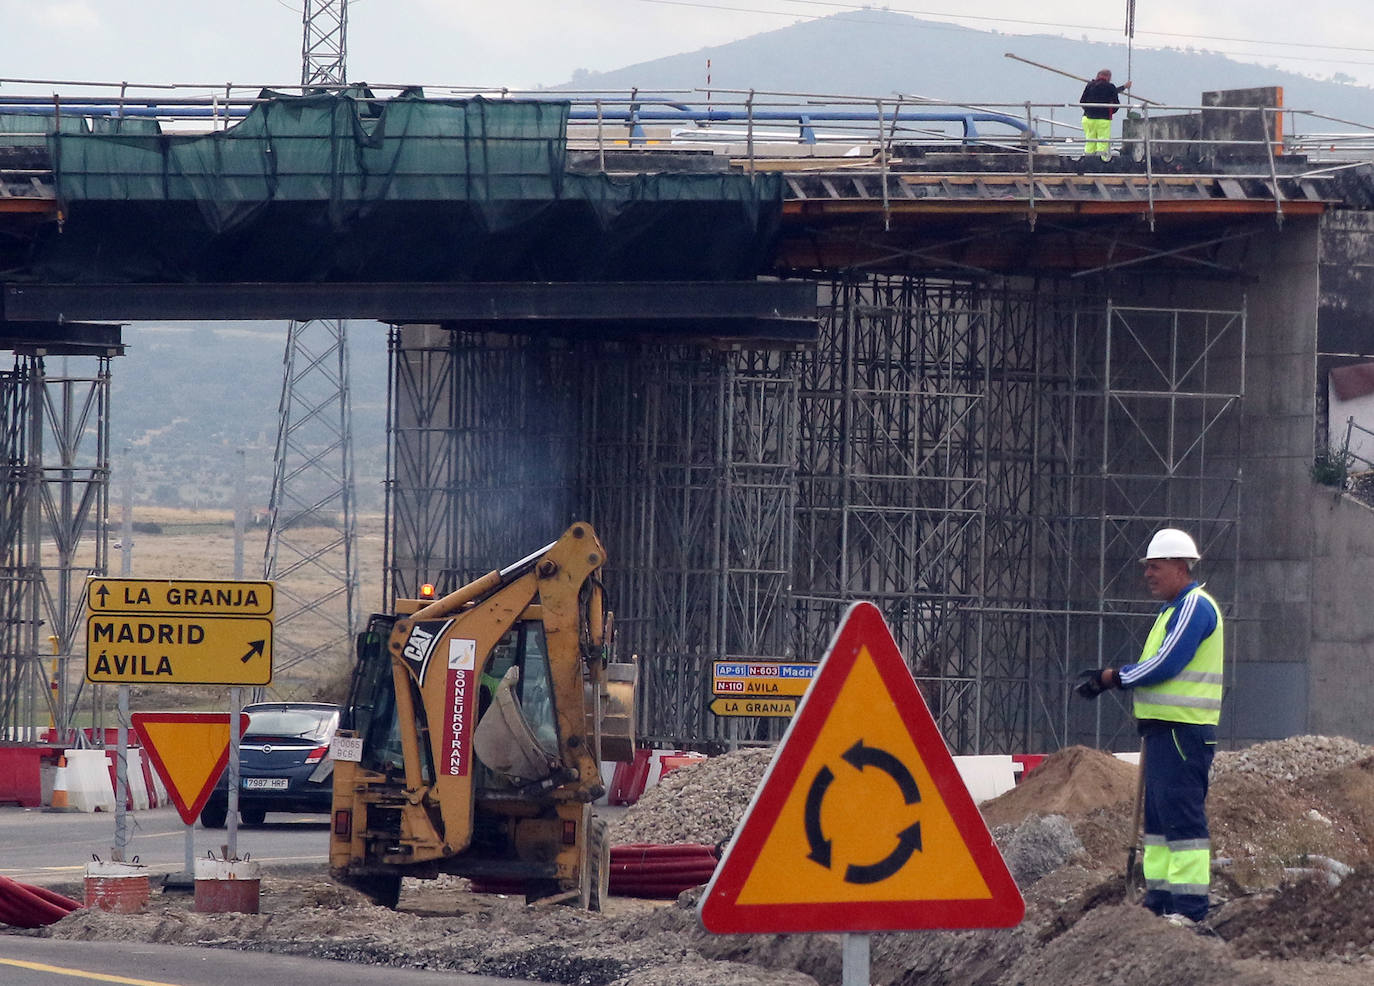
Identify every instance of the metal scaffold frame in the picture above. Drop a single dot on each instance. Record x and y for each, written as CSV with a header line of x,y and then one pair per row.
x,y
54,498
983,462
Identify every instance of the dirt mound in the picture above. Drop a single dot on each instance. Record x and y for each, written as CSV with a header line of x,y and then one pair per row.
x,y
1072,782
1276,811
1314,920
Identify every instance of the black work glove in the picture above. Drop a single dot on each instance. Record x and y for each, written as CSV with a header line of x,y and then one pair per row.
x,y
1091,686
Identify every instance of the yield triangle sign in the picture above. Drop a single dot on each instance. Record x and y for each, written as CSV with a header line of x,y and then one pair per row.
x,y
189,750
862,822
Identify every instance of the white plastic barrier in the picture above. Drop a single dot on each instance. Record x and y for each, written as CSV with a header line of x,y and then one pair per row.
x,y
88,781
159,793
987,775
138,785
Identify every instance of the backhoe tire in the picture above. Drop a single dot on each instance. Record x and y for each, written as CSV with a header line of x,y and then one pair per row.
x,y
383,889
253,817
214,816
598,865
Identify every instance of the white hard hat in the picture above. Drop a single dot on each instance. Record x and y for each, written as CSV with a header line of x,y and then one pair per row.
x,y
1171,543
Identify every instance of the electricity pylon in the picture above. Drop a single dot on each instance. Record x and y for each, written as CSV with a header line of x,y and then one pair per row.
x,y
311,550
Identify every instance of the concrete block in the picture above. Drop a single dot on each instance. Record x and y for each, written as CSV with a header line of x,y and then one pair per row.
x,y
1268,701
1279,632
1272,580
1334,707
1274,386
1280,437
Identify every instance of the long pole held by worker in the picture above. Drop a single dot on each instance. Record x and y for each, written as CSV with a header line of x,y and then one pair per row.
x,y
1060,71
1130,36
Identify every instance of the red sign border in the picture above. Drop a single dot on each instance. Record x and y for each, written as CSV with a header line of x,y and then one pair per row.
x,y
720,911
188,812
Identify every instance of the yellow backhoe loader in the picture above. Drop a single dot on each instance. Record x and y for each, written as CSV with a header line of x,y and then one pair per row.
x,y
474,732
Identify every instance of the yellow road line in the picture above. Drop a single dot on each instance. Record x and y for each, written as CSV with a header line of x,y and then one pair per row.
x,y
100,977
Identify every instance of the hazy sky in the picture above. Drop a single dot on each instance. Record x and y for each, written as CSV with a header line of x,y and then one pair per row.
x,y
524,43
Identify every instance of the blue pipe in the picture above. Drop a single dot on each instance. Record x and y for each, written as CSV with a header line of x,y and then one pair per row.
x,y
635,116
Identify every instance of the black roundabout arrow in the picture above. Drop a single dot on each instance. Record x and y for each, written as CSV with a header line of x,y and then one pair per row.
x,y
255,649
908,842
820,845
859,756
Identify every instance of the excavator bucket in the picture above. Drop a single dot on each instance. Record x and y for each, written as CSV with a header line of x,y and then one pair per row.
x,y
618,711
504,741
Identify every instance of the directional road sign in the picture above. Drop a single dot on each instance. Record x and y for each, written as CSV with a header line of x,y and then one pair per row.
x,y
862,822
760,679
767,707
179,632
185,596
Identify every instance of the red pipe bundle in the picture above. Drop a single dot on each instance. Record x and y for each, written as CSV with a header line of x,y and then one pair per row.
x,y
660,871
24,906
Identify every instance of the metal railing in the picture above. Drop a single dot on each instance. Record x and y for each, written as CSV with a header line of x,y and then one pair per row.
x,y
752,126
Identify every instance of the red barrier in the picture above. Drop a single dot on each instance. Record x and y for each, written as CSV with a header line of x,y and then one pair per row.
x,y
627,783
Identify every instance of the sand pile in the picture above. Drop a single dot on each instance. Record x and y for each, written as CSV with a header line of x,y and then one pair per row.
x,y
1074,781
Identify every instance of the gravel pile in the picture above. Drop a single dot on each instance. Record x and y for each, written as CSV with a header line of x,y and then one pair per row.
x,y
699,803
1036,847
1291,759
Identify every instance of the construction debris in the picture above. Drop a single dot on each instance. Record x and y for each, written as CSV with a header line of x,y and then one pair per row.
x,y
1301,808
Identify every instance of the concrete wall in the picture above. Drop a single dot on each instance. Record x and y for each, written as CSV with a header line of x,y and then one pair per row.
x,y
1342,619
1273,636
1270,631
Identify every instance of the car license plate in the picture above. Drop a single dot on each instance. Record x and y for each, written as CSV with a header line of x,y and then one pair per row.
x,y
265,783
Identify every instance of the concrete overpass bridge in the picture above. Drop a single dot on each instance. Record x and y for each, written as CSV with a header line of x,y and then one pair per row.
x,y
906,355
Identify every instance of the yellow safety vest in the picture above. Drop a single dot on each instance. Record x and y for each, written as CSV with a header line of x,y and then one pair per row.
x,y
1194,694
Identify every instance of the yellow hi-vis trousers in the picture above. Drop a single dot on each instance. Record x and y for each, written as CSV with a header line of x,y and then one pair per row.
x,y
1097,135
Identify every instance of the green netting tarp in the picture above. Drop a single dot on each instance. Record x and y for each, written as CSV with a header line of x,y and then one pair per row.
x,y
349,187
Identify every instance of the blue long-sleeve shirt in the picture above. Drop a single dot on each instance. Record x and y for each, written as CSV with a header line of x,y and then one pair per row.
x,y
1193,620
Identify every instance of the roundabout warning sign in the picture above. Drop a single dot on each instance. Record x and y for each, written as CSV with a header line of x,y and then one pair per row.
x,y
862,822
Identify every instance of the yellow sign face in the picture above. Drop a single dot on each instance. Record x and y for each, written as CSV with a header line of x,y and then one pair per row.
x,y
866,805
187,597
178,650
190,751
754,706
179,632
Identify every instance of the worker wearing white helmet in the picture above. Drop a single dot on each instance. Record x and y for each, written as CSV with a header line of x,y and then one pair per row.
x,y
1177,688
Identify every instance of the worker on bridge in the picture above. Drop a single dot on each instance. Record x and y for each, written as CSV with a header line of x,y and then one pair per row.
x,y
1100,103
1177,687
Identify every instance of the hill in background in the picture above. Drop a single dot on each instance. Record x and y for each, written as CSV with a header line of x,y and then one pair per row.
x,y
185,398
878,53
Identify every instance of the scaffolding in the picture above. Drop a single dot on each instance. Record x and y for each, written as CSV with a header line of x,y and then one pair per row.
x,y
54,444
982,460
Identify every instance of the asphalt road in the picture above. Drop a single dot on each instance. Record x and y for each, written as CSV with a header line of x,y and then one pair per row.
x,y
46,848
44,962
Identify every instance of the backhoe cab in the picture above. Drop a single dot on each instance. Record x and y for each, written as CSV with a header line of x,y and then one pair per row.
x,y
474,732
